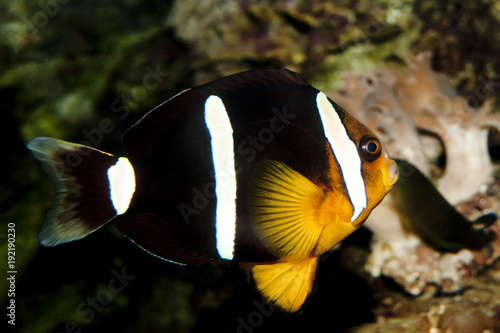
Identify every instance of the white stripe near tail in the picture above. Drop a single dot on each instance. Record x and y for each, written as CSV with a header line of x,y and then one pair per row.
x,y
121,177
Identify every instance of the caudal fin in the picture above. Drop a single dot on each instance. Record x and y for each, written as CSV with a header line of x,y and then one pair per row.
x,y
92,187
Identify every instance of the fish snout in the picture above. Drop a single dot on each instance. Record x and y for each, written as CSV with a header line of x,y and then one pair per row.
x,y
391,175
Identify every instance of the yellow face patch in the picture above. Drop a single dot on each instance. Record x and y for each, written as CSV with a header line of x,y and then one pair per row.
x,y
379,175
378,170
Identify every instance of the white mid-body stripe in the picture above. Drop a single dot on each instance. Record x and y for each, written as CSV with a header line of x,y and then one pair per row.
x,y
121,177
345,152
221,133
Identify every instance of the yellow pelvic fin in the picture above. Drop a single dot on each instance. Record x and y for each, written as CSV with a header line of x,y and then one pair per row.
x,y
286,284
284,207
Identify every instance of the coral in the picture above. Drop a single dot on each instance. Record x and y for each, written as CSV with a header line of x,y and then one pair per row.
x,y
429,99
404,105
414,265
226,37
460,33
419,116
476,310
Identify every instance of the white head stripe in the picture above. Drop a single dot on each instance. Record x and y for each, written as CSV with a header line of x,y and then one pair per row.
x,y
345,152
121,179
222,144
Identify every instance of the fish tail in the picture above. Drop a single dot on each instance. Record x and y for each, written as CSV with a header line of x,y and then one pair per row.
x,y
92,187
286,284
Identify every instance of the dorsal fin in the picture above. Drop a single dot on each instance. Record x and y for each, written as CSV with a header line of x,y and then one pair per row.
x,y
256,77
174,113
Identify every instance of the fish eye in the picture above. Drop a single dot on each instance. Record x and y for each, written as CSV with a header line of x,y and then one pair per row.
x,y
370,147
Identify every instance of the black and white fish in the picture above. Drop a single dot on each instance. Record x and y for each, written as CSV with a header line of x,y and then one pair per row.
x,y
259,167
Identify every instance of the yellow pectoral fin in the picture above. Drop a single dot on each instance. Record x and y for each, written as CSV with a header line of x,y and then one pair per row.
x,y
284,209
286,284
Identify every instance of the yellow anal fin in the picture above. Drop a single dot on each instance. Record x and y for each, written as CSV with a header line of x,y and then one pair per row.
x,y
286,284
284,208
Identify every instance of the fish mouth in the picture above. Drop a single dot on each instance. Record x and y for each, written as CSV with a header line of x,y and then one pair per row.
x,y
392,175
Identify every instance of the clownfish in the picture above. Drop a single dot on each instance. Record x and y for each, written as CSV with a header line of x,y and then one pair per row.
x,y
258,167
426,213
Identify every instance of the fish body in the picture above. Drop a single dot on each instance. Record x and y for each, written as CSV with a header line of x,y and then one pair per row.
x,y
259,167
426,213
